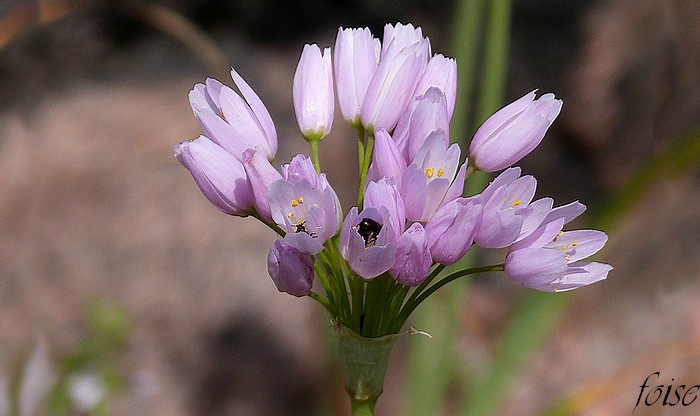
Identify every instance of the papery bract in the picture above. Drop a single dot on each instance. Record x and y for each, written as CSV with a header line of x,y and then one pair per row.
x,y
233,122
513,132
290,270
413,260
452,229
313,92
368,255
355,59
261,174
218,174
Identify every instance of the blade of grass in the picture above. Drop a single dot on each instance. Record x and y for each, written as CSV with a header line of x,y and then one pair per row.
x,y
431,361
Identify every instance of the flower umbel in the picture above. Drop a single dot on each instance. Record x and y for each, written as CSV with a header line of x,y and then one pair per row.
x,y
375,263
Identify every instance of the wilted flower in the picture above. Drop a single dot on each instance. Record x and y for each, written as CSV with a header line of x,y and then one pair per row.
x,y
218,174
313,92
513,132
232,122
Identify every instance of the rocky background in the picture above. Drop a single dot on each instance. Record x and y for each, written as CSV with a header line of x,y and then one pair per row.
x,y
93,206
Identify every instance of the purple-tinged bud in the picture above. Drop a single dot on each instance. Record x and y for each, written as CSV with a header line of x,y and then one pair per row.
x,y
413,260
441,72
425,114
513,132
387,160
220,176
452,229
233,122
368,241
356,57
290,270
313,92
392,86
261,174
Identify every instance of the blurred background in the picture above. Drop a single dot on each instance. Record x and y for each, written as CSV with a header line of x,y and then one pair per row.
x,y
123,291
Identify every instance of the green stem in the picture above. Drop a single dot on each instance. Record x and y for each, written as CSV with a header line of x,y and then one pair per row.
x,y
363,172
360,148
323,301
410,306
313,144
363,407
272,226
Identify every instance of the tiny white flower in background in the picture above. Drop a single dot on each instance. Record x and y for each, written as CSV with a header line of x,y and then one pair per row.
x,y
86,391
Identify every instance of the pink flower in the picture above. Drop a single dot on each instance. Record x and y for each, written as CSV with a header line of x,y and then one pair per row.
x,y
218,174
232,122
513,132
356,57
313,92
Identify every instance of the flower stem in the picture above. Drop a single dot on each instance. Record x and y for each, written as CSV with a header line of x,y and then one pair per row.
x,y
313,144
369,147
414,302
363,407
323,301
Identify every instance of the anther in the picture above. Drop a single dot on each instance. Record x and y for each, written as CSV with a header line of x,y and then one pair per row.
x,y
429,172
294,203
440,172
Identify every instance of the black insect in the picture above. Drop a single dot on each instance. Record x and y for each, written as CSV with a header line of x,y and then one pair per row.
x,y
300,227
369,230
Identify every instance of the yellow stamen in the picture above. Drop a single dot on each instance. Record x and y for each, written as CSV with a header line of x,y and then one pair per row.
x,y
516,202
290,215
300,199
558,234
440,172
574,243
294,203
429,173
564,247
567,257
299,223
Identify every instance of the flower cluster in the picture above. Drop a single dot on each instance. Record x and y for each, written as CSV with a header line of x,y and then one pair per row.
x,y
411,218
